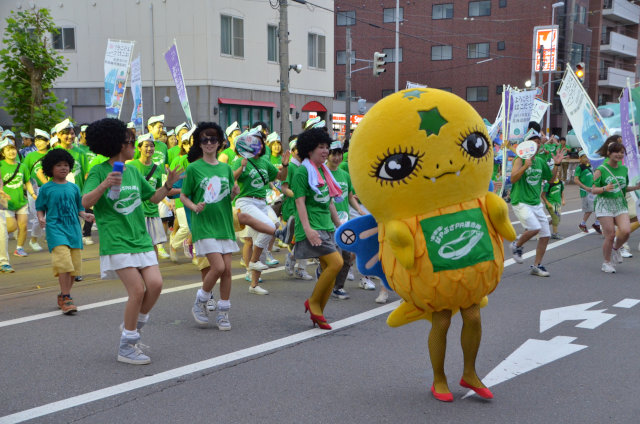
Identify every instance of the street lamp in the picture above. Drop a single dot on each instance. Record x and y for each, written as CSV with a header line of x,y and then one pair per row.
x,y
527,83
553,11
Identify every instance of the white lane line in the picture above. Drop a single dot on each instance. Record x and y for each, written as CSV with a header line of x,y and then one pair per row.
x,y
115,301
220,360
563,213
72,402
627,303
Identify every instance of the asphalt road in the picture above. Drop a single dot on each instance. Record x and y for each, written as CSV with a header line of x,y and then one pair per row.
x,y
272,367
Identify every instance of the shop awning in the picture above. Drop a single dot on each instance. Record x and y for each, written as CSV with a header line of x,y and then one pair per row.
x,y
314,106
240,102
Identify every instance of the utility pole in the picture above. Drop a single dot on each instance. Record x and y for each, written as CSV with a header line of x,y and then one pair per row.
x,y
541,52
567,57
396,54
347,109
283,52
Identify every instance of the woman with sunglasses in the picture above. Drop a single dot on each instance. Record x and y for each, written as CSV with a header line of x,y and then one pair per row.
x,y
126,249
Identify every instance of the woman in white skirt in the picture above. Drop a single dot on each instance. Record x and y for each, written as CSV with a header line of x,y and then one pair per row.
x,y
207,192
610,183
126,249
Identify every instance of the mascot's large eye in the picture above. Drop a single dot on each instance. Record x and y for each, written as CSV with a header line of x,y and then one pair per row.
x,y
475,145
396,166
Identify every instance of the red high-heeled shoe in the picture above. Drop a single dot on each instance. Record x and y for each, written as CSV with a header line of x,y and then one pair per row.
x,y
316,319
483,392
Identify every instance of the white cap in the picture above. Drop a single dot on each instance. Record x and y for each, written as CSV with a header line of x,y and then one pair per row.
x,y
7,142
63,125
316,122
179,127
8,133
25,135
336,144
40,133
130,125
186,136
154,119
170,133
273,137
53,131
231,128
144,137
84,128
293,144
53,140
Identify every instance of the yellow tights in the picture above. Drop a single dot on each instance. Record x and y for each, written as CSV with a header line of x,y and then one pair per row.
x,y
330,265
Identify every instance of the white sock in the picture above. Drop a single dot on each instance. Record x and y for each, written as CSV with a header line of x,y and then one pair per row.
x,y
203,296
130,334
143,317
224,305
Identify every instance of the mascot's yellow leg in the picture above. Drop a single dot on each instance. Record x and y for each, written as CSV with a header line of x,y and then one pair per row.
x,y
470,341
330,265
440,322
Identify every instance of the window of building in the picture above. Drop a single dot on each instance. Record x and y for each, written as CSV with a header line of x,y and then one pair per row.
x,y
480,8
346,18
272,43
232,36
501,45
477,50
391,57
65,39
317,53
502,3
387,92
449,89
441,53
579,14
499,89
577,53
477,94
342,95
341,57
389,15
442,11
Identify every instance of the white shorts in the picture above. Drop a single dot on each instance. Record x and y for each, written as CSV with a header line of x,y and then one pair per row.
x,y
164,210
211,245
258,209
109,264
156,230
533,218
12,214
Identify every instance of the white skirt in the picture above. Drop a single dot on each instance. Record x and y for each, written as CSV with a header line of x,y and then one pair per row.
x,y
110,263
211,245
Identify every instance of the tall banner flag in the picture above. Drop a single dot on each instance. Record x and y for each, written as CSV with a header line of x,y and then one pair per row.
x,y
171,56
136,91
585,119
539,109
116,67
629,140
518,106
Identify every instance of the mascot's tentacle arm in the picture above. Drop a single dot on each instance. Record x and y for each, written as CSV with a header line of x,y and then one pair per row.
x,y
401,240
499,216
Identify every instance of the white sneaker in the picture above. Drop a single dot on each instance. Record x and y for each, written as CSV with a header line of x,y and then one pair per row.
x,y
289,265
367,284
616,256
212,304
382,297
625,252
86,240
35,246
258,290
162,254
242,262
173,254
608,268
350,275
257,266
302,274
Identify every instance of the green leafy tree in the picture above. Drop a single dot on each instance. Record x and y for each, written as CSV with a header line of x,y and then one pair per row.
x,y
28,68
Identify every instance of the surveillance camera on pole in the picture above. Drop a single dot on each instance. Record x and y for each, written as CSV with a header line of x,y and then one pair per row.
x,y
580,70
378,63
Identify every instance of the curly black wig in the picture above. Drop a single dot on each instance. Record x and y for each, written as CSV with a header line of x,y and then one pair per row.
x,y
310,139
106,136
209,129
53,157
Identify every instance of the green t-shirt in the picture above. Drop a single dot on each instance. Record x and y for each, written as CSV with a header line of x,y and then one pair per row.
x,y
344,181
172,153
585,176
160,155
211,184
275,160
182,162
619,177
231,154
254,180
88,154
150,208
553,192
529,187
15,186
121,222
33,164
317,204
289,203
97,160
61,204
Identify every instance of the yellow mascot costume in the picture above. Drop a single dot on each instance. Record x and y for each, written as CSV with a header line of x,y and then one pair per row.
x,y
421,161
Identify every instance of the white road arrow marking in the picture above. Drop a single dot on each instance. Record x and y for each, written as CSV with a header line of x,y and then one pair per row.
x,y
627,303
590,319
531,355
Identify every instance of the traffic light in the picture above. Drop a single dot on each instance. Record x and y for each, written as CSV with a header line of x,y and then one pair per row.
x,y
580,71
378,63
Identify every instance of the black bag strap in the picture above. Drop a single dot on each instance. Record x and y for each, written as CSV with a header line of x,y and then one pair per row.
x,y
34,164
266,183
151,171
5,182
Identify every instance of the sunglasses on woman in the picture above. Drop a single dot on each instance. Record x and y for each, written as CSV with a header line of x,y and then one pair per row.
x,y
209,140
